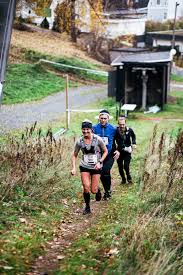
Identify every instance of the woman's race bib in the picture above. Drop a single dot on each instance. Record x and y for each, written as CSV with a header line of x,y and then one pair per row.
x,y
90,159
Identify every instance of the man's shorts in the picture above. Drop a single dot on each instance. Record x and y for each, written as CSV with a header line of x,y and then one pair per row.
x,y
91,171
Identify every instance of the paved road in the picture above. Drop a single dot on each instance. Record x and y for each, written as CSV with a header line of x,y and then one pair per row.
x,y
49,109
175,86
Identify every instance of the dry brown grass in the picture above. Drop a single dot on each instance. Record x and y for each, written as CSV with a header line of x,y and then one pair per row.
x,y
47,42
163,164
22,159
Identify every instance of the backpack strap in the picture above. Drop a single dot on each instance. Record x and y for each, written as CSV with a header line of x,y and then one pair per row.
x,y
93,144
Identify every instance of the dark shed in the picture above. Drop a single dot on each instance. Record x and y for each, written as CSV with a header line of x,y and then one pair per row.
x,y
140,78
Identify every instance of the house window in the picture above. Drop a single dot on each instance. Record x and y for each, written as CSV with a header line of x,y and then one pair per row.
x,y
165,15
29,11
158,2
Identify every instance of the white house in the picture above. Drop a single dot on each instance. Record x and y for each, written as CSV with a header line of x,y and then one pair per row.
x,y
162,10
26,12
171,9
119,27
111,24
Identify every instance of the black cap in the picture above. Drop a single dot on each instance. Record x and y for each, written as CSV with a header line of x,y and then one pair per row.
x,y
86,124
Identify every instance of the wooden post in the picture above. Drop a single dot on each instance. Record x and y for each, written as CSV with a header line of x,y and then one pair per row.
x,y
67,102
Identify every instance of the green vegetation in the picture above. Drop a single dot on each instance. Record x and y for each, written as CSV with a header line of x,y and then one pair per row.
x,y
177,78
140,227
27,82
36,56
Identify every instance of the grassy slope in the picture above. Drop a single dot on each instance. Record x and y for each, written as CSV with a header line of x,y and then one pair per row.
x,y
26,82
29,206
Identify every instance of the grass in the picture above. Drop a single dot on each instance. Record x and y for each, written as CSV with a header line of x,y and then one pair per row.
x,y
131,235
177,78
75,62
27,82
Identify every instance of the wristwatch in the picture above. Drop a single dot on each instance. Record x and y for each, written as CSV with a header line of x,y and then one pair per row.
x,y
100,161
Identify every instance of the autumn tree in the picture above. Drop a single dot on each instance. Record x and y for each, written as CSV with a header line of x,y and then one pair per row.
x,y
41,7
63,17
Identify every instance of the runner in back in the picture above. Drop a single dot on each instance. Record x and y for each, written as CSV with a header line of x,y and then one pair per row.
x,y
107,132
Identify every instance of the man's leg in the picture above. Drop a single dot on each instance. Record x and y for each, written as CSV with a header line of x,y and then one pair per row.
x,y
127,160
95,186
106,176
121,169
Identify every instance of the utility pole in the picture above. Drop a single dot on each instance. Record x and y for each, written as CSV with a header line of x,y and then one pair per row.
x,y
174,24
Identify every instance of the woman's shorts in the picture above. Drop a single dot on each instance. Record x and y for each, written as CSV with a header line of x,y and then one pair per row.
x,y
91,171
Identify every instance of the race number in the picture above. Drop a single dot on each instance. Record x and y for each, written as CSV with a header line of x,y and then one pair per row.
x,y
90,159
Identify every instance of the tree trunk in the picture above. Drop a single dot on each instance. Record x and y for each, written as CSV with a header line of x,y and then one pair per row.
x,y
73,23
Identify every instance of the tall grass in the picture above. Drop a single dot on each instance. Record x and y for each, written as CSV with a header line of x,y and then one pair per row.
x,y
24,158
36,192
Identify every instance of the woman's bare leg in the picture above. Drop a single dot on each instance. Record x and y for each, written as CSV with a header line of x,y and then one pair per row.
x,y
95,183
86,178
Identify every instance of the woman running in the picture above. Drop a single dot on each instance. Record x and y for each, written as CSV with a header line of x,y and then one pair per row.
x,y
94,152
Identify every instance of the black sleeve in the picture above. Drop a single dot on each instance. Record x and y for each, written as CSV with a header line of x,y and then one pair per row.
x,y
133,136
114,147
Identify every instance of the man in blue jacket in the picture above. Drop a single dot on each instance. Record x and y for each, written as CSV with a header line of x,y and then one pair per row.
x,y
107,132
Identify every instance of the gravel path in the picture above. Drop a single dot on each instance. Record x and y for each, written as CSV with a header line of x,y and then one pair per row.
x,y
176,86
17,116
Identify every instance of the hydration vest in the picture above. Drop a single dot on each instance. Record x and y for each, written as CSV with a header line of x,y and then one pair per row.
x,y
93,146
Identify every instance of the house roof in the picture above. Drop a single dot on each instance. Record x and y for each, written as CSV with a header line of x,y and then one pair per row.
x,y
167,35
111,5
115,52
145,58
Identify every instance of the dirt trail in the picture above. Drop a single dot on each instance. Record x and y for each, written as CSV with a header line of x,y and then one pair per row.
x,y
68,231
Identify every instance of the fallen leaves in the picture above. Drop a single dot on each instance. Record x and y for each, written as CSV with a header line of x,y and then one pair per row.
x,y
112,252
23,220
60,257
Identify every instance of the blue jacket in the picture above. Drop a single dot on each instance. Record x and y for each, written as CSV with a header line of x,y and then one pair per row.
x,y
107,131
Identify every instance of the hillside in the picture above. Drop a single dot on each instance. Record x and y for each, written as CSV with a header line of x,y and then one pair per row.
x,y
45,42
26,80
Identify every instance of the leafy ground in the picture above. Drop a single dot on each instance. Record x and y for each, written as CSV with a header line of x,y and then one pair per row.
x,y
46,42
